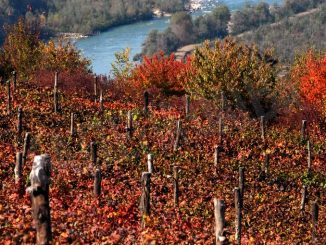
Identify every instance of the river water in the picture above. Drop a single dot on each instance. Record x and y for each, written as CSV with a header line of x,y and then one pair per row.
x,y
100,49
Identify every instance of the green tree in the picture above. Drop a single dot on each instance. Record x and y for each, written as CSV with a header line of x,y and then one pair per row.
x,y
237,70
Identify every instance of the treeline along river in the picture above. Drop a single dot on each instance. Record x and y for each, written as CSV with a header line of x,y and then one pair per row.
x,y
100,49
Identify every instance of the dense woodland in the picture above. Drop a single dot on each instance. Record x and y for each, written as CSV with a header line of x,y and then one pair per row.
x,y
82,16
221,23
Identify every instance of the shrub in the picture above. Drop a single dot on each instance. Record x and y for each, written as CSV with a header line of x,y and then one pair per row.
x,y
245,77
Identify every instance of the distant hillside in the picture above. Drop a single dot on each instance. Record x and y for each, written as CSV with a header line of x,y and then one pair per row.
x,y
82,16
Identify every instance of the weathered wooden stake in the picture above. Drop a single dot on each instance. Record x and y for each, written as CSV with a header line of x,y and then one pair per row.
x,y
101,101
176,185
241,184
303,198
19,167
216,156
27,141
262,127
150,163
72,125
187,105
95,88
266,164
97,182
146,102
309,155
145,197
14,77
20,121
219,213
304,130
178,136
237,199
220,130
222,101
55,93
129,124
314,214
8,97
94,153
39,190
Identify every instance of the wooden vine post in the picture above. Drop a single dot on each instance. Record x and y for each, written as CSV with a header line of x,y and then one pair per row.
x,y
176,185
314,215
97,182
145,197
19,173
222,102
241,185
20,121
150,165
55,93
309,155
129,124
94,153
39,190
14,78
101,101
237,199
219,214
216,157
187,105
27,141
8,97
178,136
304,130
266,164
146,102
303,198
72,125
95,88
262,128
220,130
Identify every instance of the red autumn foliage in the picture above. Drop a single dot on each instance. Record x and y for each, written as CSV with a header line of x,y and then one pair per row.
x,y
311,76
165,74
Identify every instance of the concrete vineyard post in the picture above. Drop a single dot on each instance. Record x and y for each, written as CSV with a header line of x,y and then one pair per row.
x,y
222,102
216,156
219,214
39,190
176,185
237,200
97,182
145,197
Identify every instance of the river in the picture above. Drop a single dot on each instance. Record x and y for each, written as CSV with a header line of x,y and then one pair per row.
x,y
100,49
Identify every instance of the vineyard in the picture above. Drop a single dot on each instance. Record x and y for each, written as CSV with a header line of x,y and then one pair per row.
x,y
148,173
